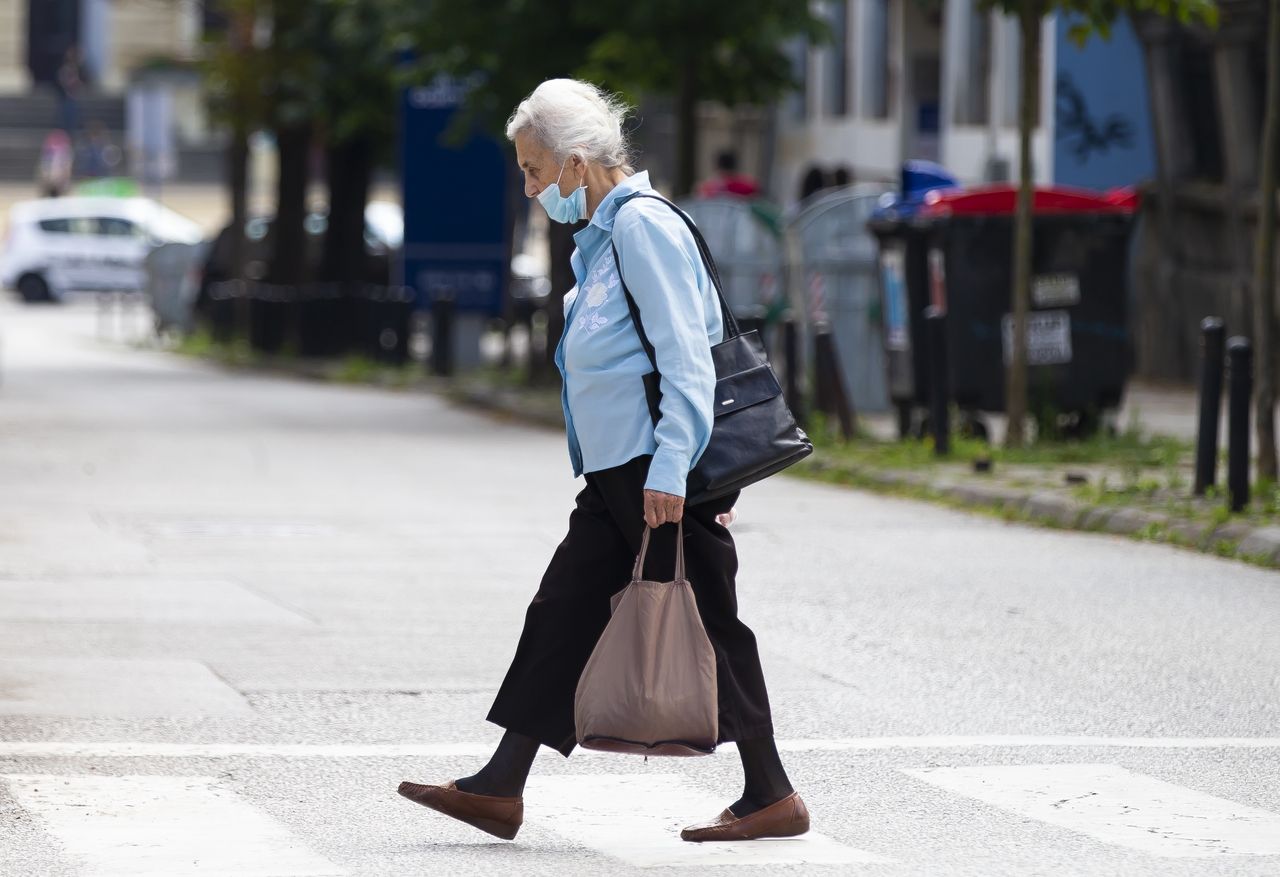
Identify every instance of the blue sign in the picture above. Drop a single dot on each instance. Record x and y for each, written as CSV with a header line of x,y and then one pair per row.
x,y
455,204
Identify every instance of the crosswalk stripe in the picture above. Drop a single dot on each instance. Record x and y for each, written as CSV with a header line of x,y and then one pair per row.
x,y
125,749
155,826
637,818
1117,806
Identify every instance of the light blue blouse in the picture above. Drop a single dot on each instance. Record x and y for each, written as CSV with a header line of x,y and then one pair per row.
x,y
600,355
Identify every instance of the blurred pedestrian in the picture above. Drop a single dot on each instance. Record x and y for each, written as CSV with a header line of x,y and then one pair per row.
x,y
53,174
728,182
69,82
569,144
813,182
101,155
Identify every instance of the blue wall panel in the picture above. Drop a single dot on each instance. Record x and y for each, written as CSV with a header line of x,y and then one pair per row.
x,y
1102,127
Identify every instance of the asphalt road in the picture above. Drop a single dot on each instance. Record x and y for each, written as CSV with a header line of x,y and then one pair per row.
x,y
236,611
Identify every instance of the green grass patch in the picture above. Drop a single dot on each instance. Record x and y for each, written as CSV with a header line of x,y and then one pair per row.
x,y
357,369
203,345
1126,451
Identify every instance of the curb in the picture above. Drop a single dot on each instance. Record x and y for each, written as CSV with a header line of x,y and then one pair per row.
x,y
506,402
1256,545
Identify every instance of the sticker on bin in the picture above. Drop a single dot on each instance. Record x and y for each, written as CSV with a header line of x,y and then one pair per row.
x,y
895,297
1048,337
1055,290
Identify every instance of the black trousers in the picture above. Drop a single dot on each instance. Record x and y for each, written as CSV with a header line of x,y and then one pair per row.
x,y
571,609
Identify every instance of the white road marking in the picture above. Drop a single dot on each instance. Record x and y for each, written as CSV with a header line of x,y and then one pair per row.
x,y
637,818
97,687
1117,806
109,749
138,826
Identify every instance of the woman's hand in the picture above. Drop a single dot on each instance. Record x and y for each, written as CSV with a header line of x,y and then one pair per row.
x,y
662,508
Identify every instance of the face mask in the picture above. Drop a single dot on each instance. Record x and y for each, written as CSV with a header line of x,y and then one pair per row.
x,y
562,209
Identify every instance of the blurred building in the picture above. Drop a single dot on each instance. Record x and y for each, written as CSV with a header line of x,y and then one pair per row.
x,y
114,41
903,81
113,37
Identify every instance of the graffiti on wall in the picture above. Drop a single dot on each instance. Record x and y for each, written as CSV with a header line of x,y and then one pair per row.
x,y
1102,120
1083,134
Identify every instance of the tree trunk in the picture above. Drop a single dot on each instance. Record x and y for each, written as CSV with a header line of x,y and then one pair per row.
x,y
1028,109
687,127
349,169
239,39
238,181
289,253
1264,261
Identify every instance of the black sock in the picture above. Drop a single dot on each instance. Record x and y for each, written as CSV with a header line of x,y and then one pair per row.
x,y
507,770
765,779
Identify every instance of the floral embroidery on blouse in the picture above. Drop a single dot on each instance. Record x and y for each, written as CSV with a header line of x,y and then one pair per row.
x,y
597,295
597,291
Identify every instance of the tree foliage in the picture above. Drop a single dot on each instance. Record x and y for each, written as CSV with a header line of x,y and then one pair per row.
x,y
730,51
235,67
735,49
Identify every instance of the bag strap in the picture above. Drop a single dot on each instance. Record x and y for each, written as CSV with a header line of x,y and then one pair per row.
x,y
637,571
731,329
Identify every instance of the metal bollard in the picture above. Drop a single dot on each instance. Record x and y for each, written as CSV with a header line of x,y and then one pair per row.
x,y
1240,382
1212,335
442,309
939,387
791,365
833,397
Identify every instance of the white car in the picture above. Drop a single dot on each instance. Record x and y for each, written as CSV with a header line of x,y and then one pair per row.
x,y
59,245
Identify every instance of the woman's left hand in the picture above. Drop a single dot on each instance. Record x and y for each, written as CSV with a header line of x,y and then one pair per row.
x,y
662,508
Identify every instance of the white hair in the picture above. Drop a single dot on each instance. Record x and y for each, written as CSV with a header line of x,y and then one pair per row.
x,y
571,117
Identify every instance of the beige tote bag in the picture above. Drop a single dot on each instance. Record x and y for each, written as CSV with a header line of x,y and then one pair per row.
x,y
649,687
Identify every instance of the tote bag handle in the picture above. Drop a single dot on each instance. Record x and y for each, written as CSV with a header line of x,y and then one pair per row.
x,y
638,570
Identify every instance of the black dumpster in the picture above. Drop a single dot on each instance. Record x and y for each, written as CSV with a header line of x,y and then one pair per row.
x,y
1078,344
904,288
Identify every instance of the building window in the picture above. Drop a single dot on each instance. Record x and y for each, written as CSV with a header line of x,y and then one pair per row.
x,y
973,86
1195,85
875,44
1257,97
835,80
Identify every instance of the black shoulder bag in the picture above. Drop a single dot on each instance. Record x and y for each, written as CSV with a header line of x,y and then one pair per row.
x,y
754,433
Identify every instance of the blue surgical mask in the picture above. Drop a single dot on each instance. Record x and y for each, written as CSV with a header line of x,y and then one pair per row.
x,y
560,208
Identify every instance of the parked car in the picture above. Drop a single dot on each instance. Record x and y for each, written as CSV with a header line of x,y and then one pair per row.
x,y
60,245
383,238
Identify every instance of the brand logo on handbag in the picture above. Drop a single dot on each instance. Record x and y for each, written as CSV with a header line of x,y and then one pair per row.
x,y
727,402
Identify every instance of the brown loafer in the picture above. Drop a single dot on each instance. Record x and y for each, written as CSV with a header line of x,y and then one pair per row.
x,y
786,818
501,817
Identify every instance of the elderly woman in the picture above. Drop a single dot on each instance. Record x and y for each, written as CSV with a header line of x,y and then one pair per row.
x,y
569,144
